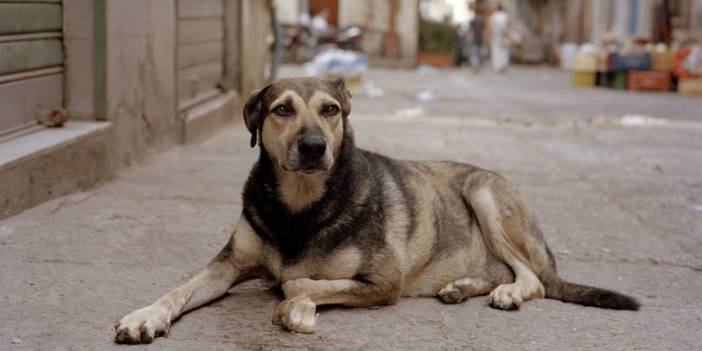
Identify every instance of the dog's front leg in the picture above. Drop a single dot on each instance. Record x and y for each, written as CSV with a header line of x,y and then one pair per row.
x,y
236,263
298,312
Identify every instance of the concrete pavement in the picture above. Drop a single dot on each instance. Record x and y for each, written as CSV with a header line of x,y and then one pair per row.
x,y
621,207
524,94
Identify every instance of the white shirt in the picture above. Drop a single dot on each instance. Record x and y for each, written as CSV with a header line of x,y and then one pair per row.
x,y
498,23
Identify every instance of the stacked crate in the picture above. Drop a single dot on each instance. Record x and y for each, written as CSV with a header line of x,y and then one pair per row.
x,y
690,86
659,76
663,61
605,77
689,79
585,70
648,81
655,69
624,64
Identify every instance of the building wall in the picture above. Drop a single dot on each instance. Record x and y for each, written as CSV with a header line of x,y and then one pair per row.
x,y
626,19
288,11
78,34
374,17
121,95
690,25
140,62
255,26
644,23
408,28
140,80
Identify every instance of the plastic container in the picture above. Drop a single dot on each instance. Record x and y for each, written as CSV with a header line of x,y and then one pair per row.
x,y
568,53
662,61
620,80
628,62
690,86
648,81
584,79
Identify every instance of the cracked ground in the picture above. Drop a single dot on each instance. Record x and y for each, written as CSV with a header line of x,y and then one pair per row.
x,y
619,201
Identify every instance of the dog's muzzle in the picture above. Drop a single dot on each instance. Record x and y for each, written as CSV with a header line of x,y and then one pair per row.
x,y
311,150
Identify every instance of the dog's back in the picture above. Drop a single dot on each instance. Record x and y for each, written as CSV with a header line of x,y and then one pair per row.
x,y
431,228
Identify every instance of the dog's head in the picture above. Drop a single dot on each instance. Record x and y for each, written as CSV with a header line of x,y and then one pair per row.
x,y
300,122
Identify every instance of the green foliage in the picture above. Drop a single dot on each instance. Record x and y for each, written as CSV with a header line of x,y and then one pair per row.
x,y
436,36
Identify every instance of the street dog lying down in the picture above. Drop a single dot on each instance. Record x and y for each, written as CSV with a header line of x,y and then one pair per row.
x,y
335,224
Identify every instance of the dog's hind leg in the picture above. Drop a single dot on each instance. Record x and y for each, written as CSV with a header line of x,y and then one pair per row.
x,y
511,233
237,262
462,289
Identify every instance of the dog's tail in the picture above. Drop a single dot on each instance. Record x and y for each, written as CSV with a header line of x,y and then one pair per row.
x,y
559,289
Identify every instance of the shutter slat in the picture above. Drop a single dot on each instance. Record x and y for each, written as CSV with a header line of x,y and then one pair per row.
x,y
200,8
29,18
198,80
198,31
26,55
196,54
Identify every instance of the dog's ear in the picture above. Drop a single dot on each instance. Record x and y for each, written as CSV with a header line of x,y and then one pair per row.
x,y
340,85
254,112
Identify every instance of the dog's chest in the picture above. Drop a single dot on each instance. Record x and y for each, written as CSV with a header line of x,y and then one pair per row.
x,y
338,264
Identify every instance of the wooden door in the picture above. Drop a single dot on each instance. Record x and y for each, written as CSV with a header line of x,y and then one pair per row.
x,y
332,5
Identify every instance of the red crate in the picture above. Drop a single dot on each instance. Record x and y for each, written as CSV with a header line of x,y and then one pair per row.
x,y
649,81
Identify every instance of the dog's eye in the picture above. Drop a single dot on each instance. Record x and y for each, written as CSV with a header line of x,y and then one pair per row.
x,y
330,110
283,111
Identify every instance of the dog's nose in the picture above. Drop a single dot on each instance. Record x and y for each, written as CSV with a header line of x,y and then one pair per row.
x,y
311,147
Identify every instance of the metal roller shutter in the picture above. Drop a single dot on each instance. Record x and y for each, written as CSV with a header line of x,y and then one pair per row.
x,y
200,50
31,62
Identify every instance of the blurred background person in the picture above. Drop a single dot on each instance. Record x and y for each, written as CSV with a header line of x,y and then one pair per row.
x,y
477,32
499,41
463,42
320,22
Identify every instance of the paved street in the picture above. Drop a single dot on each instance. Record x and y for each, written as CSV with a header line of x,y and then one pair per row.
x,y
619,200
531,94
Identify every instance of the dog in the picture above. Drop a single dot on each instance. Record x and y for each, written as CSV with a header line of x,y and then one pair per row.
x,y
335,224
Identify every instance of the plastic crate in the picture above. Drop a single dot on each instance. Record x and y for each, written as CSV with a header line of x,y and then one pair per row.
x,y
648,81
584,79
629,62
690,86
662,61
620,81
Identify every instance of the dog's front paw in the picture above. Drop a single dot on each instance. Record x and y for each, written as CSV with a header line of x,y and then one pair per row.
x,y
296,314
142,326
506,297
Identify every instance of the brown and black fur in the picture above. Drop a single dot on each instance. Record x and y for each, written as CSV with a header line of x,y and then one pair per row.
x,y
377,228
